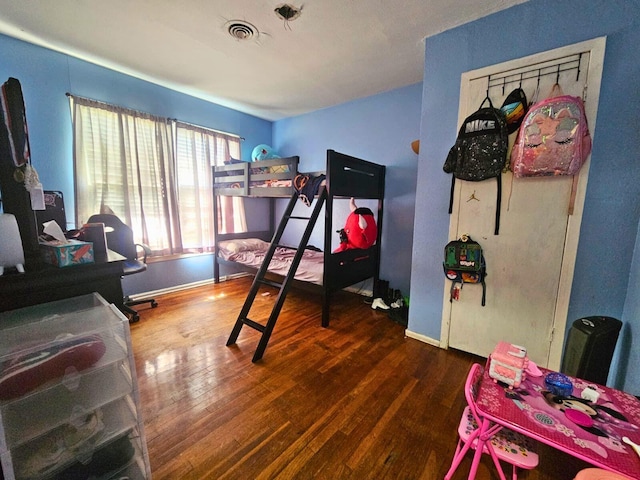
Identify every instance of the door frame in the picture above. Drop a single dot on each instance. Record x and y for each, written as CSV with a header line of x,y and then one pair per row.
x,y
596,49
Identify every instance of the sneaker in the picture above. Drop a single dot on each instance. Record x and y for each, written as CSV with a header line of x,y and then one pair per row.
x,y
78,432
397,304
61,446
45,456
379,303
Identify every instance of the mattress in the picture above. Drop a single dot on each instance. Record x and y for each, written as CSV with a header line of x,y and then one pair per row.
x,y
252,251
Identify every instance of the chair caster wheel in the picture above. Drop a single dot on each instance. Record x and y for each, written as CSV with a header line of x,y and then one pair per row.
x,y
154,304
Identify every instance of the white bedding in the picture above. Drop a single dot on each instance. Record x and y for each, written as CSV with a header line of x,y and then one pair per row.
x,y
252,251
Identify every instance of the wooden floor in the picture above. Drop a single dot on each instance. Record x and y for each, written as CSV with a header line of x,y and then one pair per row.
x,y
356,400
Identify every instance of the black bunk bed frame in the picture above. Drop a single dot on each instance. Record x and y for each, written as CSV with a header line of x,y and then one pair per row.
x,y
346,177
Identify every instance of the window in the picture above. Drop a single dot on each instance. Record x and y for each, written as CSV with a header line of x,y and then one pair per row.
x,y
152,172
197,149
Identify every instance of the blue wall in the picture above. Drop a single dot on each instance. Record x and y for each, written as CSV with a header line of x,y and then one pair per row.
x,y
612,208
628,358
379,129
46,76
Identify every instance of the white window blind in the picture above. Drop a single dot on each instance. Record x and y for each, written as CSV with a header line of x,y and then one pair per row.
x,y
152,172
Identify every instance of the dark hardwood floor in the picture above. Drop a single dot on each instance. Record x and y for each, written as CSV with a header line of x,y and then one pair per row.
x,y
357,400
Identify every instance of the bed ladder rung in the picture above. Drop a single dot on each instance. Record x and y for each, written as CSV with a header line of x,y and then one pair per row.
x,y
253,324
260,278
270,283
292,217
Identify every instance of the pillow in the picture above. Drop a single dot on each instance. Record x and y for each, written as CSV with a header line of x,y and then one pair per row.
x,y
243,245
279,169
284,168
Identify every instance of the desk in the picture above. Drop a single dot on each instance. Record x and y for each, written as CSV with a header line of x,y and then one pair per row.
x,y
43,283
525,409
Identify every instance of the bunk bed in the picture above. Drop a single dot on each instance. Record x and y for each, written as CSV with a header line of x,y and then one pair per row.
x,y
271,179
322,272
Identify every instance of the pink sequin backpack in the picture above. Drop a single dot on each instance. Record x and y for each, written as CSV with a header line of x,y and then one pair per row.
x,y
553,139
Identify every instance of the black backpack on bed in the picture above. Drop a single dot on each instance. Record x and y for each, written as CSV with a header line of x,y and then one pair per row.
x,y
480,151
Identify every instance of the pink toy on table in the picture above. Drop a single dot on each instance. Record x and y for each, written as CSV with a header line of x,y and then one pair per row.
x,y
507,364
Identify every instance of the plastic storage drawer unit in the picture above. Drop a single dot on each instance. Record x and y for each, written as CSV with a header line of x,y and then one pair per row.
x,y
69,404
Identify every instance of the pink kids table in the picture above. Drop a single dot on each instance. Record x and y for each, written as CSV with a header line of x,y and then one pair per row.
x,y
587,429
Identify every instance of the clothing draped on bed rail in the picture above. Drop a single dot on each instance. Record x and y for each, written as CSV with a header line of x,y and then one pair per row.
x,y
307,187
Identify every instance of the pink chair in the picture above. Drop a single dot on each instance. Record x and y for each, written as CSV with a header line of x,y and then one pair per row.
x,y
502,443
598,474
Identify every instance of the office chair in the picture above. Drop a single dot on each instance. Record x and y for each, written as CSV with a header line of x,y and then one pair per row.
x,y
120,240
504,444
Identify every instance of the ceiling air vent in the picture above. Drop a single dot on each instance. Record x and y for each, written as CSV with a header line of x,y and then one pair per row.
x,y
241,30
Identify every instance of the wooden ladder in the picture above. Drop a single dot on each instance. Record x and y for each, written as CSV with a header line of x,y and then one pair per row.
x,y
260,278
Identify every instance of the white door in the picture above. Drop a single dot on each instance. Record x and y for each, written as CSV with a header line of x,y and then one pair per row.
x,y
530,263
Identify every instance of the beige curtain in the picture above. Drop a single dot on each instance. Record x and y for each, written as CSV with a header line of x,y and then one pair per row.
x,y
152,172
198,150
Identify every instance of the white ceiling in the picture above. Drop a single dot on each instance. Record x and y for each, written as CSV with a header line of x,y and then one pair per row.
x,y
333,52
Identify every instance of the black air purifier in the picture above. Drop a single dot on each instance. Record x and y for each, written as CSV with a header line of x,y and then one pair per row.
x,y
590,347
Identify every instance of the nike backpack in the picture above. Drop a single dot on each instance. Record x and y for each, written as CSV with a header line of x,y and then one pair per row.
x,y
480,151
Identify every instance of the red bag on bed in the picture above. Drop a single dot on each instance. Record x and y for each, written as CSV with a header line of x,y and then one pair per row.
x,y
360,230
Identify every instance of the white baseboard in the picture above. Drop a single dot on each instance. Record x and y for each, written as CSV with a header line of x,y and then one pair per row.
x,y
177,288
140,296
422,338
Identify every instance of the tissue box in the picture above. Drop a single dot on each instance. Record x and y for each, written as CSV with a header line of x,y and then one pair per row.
x,y
66,254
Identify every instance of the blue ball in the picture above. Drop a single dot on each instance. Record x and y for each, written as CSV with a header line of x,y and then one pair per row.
x,y
558,384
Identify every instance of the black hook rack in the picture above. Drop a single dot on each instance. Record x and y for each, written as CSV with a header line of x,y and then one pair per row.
x,y
539,69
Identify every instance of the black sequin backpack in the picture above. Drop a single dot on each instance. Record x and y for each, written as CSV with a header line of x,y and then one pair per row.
x,y
480,151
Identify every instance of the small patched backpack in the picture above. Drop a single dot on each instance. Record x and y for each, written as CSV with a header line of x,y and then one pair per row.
x,y
464,263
